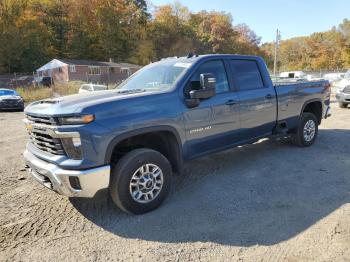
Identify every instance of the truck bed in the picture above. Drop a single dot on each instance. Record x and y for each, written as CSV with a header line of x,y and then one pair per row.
x,y
291,95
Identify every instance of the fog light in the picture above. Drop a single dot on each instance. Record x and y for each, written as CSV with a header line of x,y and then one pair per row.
x,y
76,141
74,182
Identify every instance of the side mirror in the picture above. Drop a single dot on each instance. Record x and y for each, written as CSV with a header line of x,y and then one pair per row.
x,y
207,85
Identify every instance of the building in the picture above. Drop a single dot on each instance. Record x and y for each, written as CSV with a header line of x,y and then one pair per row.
x,y
64,70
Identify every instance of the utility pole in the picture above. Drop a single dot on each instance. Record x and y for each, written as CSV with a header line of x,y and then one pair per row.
x,y
277,43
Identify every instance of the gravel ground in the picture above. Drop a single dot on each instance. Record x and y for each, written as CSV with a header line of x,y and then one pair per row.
x,y
270,201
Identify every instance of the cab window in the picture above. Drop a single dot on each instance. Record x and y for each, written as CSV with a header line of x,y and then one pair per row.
x,y
247,74
214,67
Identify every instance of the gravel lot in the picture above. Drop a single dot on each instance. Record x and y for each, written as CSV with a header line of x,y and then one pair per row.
x,y
270,201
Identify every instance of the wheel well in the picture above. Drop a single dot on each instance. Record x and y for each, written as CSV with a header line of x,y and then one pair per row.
x,y
314,108
164,142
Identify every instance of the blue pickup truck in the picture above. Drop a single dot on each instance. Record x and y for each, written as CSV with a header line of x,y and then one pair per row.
x,y
131,140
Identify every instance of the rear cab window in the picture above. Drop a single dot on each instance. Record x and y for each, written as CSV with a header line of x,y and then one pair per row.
x,y
246,74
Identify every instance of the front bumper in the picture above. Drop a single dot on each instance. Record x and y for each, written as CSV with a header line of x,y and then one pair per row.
x,y
343,97
71,183
8,106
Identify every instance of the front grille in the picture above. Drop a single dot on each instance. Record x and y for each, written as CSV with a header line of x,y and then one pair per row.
x,y
41,139
347,90
42,120
11,102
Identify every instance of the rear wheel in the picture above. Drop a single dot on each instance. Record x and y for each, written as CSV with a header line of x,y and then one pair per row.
x,y
140,181
307,130
343,105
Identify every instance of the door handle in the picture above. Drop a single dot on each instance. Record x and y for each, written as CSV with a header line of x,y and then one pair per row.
x,y
269,96
231,102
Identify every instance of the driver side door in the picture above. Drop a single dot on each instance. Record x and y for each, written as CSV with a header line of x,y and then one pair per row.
x,y
215,123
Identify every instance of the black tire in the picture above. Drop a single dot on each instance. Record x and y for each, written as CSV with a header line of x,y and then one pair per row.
x,y
343,105
298,138
123,172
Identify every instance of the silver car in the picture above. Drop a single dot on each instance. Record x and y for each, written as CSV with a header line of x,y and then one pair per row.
x,y
91,88
343,91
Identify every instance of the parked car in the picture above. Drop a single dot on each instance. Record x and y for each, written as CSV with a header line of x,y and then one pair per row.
x,y
334,77
91,88
293,74
130,140
343,91
10,99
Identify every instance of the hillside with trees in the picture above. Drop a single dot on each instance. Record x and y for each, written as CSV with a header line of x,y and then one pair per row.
x,y
328,50
32,32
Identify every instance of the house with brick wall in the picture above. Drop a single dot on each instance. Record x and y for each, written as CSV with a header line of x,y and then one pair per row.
x,y
65,70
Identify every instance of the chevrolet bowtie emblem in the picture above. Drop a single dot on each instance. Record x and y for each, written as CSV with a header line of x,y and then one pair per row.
x,y
29,127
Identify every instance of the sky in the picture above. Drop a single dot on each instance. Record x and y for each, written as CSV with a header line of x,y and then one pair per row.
x,y
292,17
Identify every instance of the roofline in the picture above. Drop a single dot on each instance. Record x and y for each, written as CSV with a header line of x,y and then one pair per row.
x,y
117,64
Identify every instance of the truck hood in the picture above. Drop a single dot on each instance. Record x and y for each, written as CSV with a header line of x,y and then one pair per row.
x,y
75,104
10,97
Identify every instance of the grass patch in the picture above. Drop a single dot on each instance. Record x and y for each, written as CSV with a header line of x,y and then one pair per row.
x,y
30,94
70,88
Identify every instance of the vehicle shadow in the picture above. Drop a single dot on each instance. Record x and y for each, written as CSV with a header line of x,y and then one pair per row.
x,y
261,194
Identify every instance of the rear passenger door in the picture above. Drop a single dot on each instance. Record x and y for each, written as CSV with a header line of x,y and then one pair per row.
x,y
258,105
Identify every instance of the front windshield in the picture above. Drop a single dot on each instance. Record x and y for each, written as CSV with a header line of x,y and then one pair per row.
x,y
158,76
8,93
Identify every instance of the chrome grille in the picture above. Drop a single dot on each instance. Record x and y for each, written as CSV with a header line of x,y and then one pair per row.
x,y
41,139
42,120
347,90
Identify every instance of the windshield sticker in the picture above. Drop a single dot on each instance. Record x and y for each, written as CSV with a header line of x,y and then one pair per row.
x,y
185,65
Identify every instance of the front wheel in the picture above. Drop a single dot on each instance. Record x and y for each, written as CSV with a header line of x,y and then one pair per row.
x,y
140,181
307,130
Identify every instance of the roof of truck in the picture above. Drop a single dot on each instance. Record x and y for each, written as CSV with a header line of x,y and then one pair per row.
x,y
196,57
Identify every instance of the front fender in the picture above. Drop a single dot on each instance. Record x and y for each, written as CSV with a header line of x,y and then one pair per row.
x,y
118,138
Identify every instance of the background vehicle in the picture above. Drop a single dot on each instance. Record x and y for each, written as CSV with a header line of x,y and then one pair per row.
x,y
91,87
10,99
334,77
43,81
343,90
131,139
293,74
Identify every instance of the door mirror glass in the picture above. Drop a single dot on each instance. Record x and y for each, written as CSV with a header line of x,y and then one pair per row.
x,y
207,81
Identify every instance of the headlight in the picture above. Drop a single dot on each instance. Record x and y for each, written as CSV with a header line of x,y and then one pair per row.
x,y
76,120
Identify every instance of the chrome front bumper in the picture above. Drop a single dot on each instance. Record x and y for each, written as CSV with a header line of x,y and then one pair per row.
x,y
71,183
342,97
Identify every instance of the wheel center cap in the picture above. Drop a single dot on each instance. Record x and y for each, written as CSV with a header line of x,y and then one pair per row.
x,y
149,184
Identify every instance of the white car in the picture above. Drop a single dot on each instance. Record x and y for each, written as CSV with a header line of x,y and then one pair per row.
x,y
91,88
334,77
293,74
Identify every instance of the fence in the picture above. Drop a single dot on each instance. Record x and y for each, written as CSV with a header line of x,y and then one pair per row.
x,y
16,80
